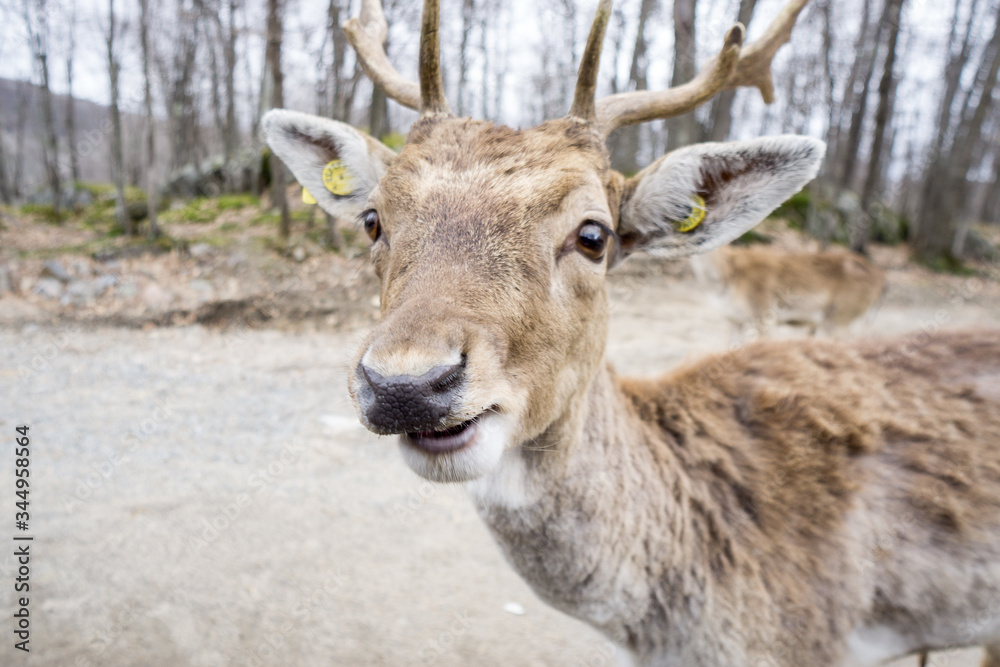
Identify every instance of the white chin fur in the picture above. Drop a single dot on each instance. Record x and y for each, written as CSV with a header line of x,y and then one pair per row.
x,y
479,458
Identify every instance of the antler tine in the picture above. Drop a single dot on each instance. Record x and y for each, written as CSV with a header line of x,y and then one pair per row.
x,y
367,36
733,67
584,106
754,68
431,85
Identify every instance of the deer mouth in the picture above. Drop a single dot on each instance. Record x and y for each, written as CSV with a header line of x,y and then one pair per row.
x,y
446,440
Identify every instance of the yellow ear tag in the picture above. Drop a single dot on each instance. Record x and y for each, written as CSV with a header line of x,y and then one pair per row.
x,y
697,216
337,179
308,198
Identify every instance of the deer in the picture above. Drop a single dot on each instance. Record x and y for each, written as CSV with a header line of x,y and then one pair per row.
x,y
824,291
808,502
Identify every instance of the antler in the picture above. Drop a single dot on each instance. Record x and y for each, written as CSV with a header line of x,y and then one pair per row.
x,y
586,78
732,67
367,34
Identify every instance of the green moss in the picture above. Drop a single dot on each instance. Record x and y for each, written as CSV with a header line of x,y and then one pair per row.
x,y
395,141
237,201
199,211
265,218
753,237
947,263
97,190
795,210
46,212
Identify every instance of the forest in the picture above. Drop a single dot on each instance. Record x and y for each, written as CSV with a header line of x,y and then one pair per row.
x,y
152,104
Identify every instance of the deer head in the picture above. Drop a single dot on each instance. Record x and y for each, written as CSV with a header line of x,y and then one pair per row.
x,y
492,245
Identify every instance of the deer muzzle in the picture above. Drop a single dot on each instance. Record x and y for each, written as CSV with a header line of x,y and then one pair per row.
x,y
415,405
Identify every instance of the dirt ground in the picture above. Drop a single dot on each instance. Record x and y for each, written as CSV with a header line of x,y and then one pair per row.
x,y
204,495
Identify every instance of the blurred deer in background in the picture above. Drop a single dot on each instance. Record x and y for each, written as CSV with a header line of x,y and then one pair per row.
x,y
765,287
785,504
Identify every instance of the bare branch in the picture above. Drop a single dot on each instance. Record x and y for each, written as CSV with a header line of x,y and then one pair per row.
x,y
733,67
367,34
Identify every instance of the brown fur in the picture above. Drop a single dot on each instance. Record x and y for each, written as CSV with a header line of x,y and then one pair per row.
x,y
823,290
779,505
772,489
757,507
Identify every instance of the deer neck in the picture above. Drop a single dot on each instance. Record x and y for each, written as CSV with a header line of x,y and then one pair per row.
x,y
591,515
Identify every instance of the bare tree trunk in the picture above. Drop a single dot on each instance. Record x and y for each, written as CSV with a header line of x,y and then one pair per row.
x,y
883,115
378,114
860,104
152,229
334,238
831,116
722,107
231,131
484,19
215,84
953,75
255,103
38,36
74,159
468,15
6,196
567,59
834,155
943,208
181,104
117,162
277,99
501,60
336,72
683,130
22,118
625,144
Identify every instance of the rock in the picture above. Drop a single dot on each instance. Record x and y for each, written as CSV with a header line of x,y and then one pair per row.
x,y
126,290
201,286
848,205
70,196
156,297
203,180
81,268
79,293
56,270
200,250
50,288
104,283
887,227
136,210
235,260
979,249
299,253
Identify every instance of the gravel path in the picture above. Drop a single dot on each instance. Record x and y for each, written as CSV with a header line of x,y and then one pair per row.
x,y
207,497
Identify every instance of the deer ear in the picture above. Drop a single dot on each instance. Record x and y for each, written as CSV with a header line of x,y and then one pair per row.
x,y
337,164
698,198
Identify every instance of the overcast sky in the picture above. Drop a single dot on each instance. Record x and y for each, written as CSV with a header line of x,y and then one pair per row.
x,y
926,22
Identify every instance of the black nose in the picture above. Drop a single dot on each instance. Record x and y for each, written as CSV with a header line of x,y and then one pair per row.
x,y
410,403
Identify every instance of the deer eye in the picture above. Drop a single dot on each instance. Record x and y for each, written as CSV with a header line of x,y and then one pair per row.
x,y
592,240
370,220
